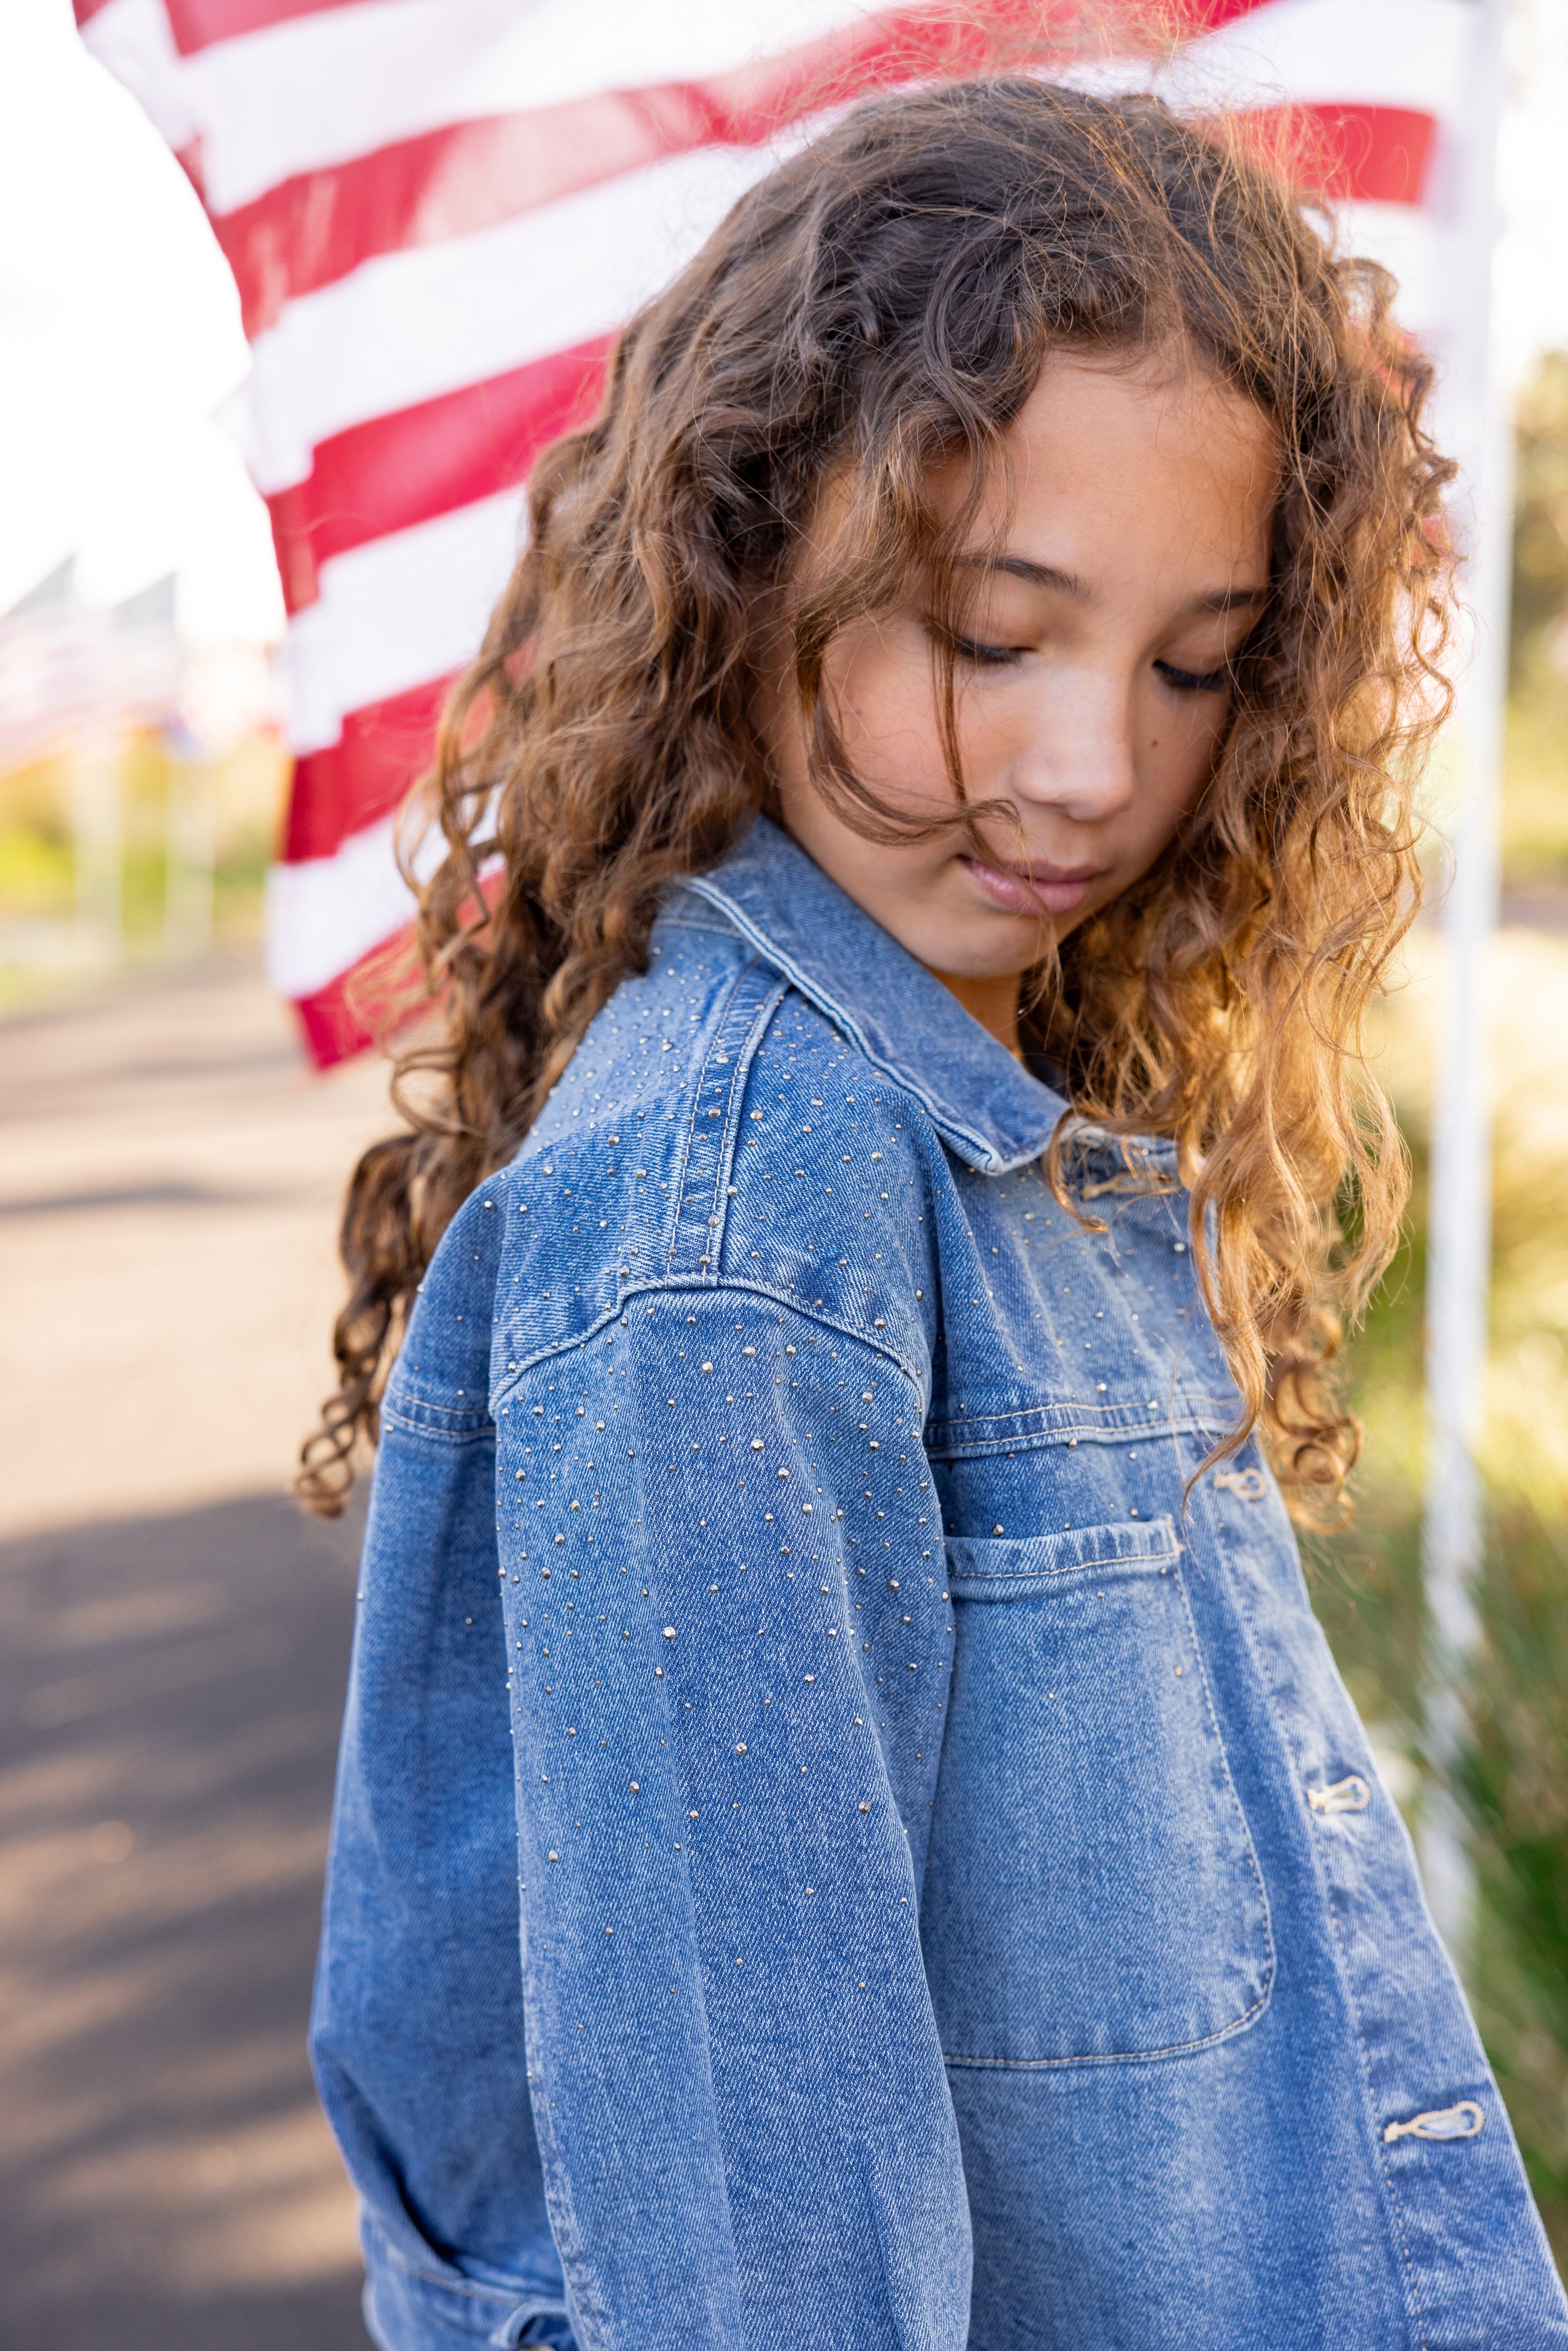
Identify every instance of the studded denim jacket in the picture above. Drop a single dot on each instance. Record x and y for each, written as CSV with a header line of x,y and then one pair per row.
x,y
837,1841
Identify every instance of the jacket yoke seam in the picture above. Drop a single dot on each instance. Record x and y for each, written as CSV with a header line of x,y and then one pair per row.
x,y
615,1317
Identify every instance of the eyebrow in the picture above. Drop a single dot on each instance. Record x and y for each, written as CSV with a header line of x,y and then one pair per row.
x,y
1037,575
1228,599
1066,583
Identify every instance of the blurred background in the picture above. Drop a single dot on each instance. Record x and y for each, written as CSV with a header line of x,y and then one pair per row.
x,y
174,1636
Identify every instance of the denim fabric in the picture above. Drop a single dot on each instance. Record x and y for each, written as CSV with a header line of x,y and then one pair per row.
x,y
835,1846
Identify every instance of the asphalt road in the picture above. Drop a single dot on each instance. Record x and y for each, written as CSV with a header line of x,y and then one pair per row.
x,y
173,1640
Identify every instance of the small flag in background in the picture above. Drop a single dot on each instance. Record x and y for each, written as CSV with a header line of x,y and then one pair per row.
x,y
439,212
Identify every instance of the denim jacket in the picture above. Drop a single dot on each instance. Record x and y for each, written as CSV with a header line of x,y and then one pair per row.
x,y
836,1847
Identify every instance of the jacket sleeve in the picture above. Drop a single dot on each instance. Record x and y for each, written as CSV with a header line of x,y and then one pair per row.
x,y
721,1571
417,2031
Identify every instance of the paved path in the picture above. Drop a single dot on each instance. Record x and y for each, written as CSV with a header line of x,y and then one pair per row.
x,y
170,1179
174,1639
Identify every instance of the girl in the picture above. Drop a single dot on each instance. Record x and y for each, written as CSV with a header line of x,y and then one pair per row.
x,y
848,1834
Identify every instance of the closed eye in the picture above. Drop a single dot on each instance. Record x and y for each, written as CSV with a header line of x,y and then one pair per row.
x,y
986,656
1190,680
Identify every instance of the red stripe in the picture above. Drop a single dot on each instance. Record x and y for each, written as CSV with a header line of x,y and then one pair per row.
x,y
333,1031
405,468
313,229
1374,155
350,1012
415,463
201,23
378,996
364,776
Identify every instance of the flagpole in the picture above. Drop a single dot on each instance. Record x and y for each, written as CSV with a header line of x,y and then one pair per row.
x,y
1476,419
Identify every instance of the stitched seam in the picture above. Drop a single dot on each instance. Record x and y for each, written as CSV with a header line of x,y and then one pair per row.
x,y
1076,1567
678,917
761,1020
678,1189
454,1438
1381,2158
752,1020
943,1122
1235,1796
1001,1423
1030,1419
1068,1430
1325,1894
459,2287
1249,2015
407,1403
1125,2056
1079,1567
678,1284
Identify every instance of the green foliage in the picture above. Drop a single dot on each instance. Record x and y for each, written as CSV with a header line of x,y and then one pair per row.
x,y
35,874
1535,806
1516,1783
1539,516
42,951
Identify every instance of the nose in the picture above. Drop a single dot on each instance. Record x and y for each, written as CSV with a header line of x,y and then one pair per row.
x,y
1077,757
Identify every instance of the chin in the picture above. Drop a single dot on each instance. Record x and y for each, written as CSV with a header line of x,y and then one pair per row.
x,y
961,962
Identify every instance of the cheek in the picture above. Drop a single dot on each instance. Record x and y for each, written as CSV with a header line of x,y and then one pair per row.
x,y
1180,748
882,687
892,883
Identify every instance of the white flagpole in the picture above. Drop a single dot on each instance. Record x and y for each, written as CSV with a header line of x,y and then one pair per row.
x,y
1476,419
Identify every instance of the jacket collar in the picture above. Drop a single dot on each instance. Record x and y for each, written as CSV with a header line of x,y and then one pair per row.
x,y
985,1107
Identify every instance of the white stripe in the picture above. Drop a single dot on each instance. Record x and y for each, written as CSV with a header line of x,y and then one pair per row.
x,y
326,913
1399,53
1416,246
397,612
131,39
413,605
322,88
1411,54
412,325
430,319
323,914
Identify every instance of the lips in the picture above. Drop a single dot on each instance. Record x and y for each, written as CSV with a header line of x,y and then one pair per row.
x,y
1032,890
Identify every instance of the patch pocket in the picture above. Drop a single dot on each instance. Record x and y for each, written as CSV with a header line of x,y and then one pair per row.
x,y
1090,1894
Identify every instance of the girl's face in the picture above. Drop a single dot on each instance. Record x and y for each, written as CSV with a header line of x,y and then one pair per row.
x,y
1092,683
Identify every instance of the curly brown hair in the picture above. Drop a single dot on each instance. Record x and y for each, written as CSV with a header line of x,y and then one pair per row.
x,y
881,303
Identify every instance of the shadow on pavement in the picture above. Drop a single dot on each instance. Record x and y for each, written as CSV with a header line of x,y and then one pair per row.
x,y
170,1691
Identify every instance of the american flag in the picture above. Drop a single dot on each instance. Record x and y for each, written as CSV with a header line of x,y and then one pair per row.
x,y
439,212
